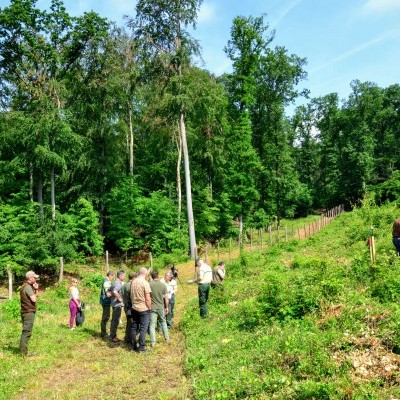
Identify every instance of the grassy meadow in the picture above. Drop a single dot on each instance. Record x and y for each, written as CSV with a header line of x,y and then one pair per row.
x,y
309,319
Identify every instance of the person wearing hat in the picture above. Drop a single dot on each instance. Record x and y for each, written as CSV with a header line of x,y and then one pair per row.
x,y
204,277
28,294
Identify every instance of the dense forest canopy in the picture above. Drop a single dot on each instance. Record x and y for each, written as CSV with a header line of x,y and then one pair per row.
x,y
112,137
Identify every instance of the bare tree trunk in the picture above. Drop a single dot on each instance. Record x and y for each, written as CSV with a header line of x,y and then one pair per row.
x,y
192,235
40,198
178,176
240,230
31,181
131,141
53,196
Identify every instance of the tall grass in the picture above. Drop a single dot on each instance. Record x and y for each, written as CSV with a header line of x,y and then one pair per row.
x,y
310,320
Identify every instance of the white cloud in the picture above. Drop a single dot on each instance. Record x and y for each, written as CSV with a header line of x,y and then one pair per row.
x,y
286,11
207,13
381,5
347,54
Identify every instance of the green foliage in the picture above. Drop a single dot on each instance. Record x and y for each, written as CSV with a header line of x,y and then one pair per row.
x,y
93,281
12,308
85,228
137,221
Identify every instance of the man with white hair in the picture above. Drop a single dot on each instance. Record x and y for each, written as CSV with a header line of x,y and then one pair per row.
x,y
28,293
204,278
141,310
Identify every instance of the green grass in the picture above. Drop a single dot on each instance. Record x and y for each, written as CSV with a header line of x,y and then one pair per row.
x,y
301,320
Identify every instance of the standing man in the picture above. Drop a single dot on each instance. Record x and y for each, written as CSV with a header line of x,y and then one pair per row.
x,y
204,277
169,281
116,304
396,235
126,298
28,294
141,308
105,301
159,307
218,275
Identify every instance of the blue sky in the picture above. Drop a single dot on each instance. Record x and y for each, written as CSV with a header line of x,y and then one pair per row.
x,y
342,40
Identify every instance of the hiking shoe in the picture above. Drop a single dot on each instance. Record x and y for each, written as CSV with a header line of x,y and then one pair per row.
x,y
115,340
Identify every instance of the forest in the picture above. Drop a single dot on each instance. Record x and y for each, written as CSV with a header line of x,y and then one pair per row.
x,y
117,137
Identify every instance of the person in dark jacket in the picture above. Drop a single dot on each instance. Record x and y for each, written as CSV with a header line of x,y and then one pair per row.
x,y
105,301
28,294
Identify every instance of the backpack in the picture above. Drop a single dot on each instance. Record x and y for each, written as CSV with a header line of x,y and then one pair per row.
x,y
105,295
80,318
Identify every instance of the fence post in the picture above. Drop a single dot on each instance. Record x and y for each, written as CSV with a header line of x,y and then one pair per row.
x,y
10,282
298,232
261,238
107,266
151,260
61,276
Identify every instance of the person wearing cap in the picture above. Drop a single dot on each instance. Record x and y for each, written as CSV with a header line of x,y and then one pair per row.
x,y
28,294
204,278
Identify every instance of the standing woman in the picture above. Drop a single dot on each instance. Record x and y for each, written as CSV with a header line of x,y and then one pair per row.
x,y
74,302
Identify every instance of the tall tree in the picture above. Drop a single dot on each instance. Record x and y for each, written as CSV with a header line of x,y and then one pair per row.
x,y
162,25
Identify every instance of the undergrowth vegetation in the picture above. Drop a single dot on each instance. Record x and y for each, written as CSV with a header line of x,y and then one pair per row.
x,y
305,320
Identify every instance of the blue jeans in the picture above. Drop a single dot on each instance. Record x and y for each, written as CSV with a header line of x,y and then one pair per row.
x,y
155,315
140,324
396,242
170,315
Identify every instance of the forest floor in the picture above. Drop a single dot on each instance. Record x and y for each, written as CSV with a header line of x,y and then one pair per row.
x,y
97,369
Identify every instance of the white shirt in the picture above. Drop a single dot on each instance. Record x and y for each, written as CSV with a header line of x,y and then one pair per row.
x,y
73,293
205,273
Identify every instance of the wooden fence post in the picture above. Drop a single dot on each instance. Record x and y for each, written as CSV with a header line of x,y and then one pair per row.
x,y
107,266
298,232
61,275
10,282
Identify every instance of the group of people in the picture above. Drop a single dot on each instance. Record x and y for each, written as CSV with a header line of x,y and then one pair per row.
x,y
148,304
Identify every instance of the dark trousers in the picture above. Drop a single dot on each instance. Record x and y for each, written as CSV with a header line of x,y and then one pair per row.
x,y
104,319
203,290
140,322
116,316
128,327
27,325
170,315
